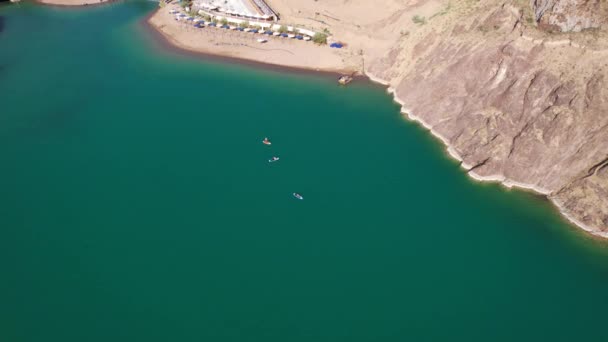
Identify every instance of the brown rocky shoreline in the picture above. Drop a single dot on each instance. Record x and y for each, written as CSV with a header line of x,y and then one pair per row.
x,y
526,112
517,93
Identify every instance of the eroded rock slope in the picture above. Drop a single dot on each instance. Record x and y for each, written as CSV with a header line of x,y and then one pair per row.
x,y
570,15
516,104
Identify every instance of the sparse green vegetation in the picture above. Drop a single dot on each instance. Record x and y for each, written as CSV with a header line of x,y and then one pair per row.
x,y
320,38
442,12
244,24
224,21
527,11
283,29
419,20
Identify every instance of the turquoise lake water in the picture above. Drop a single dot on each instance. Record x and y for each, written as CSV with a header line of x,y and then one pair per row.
x,y
137,204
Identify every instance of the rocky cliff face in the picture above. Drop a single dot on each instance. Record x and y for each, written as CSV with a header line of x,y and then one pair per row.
x,y
514,103
517,89
570,15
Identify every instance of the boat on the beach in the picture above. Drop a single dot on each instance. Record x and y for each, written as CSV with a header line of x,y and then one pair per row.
x,y
262,40
298,196
266,142
273,159
345,79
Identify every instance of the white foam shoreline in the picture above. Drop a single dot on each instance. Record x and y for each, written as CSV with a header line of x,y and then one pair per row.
x,y
502,179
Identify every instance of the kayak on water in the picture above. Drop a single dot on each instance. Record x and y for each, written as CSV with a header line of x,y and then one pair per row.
x,y
274,159
266,141
298,196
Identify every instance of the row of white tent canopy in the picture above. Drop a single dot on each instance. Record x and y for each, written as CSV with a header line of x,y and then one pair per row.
x,y
269,26
240,14
265,26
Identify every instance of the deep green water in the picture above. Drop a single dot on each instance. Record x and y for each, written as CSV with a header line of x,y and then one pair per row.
x,y
136,204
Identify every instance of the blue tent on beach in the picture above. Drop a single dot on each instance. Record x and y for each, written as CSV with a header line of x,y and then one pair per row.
x,y
336,45
268,33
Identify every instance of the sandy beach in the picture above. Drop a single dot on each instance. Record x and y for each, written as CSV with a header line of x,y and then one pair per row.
x,y
244,45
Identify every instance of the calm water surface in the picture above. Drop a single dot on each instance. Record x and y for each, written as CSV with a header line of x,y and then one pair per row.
x,y
137,204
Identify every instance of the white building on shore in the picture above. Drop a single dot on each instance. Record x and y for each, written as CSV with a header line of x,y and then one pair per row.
x,y
242,9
